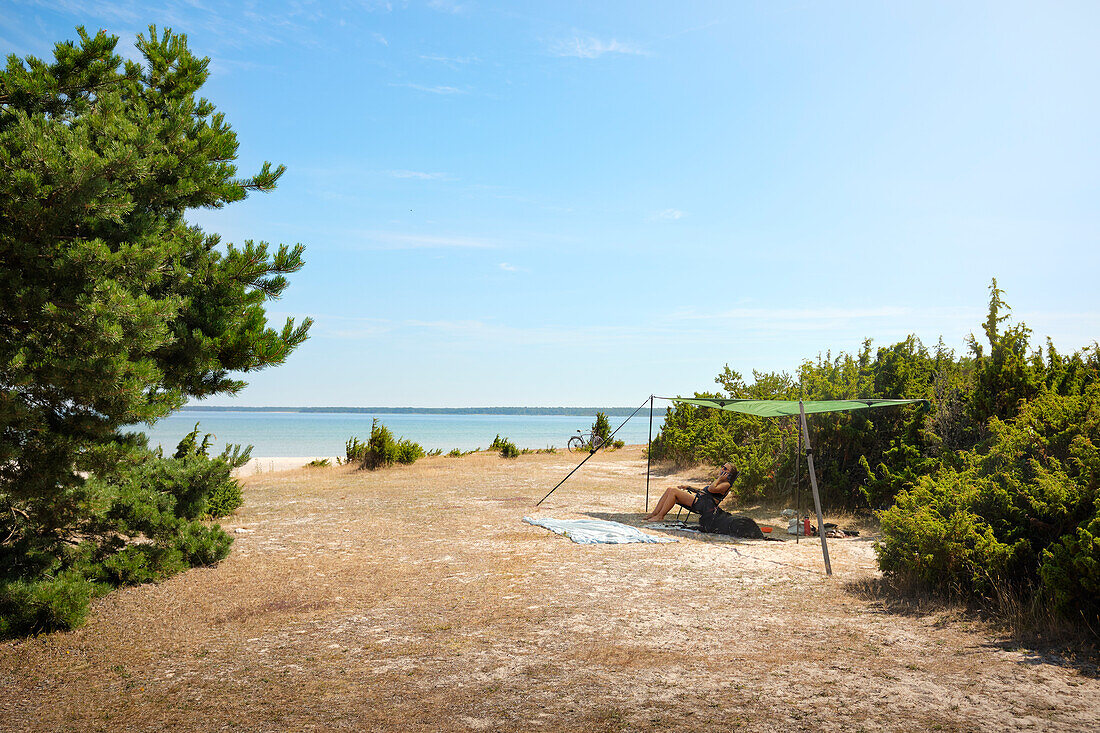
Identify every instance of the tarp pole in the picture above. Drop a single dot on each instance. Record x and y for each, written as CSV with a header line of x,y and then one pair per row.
x,y
813,486
648,453
798,467
798,480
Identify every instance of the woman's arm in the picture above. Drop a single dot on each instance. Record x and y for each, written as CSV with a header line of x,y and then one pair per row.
x,y
719,488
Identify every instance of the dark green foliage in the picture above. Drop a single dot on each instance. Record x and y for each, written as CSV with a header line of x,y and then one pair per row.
x,y
319,463
225,499
601,434
458,452
44,605
143,525
382,450
137,564
506,447
201,544
113,312
1070,571
408,451
1020,511
189,445
601,430
354,450
1008,374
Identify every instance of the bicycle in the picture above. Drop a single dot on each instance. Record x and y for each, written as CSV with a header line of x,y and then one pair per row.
x,y
584,441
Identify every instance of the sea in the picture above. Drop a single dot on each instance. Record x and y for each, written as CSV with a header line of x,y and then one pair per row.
x,y
295,434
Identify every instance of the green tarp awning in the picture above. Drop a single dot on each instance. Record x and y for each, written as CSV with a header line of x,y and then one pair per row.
x,y
779,408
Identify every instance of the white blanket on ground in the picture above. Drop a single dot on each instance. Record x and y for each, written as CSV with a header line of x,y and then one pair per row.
x,y
596,531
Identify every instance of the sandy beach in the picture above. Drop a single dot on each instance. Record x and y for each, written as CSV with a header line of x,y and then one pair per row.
x,y
415,598
271,464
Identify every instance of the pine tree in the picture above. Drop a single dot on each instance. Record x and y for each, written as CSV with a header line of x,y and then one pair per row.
x,y
113,309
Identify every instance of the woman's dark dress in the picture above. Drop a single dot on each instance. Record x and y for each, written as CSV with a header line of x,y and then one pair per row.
x,y
718,521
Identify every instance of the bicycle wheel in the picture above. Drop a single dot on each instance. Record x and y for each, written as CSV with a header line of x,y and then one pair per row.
x,y
575,444
597,442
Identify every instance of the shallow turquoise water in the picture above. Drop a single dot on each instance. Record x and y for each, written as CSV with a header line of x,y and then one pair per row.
x,y
324,434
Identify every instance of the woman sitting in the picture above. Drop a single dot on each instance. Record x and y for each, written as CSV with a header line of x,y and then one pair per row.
x,y
703,502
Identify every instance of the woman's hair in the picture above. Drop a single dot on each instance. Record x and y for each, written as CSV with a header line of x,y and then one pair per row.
x,y
733,474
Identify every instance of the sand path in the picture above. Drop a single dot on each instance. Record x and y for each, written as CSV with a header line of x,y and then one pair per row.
x,y
415,599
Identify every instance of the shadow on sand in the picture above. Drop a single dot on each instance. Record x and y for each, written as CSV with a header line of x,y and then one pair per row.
x,y
1068,648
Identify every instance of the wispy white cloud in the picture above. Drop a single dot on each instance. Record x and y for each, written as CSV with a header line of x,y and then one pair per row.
x,y
794,315
448,6
399,240
668,215
477,333
380,38
508,267
590,47
883,322
451,62
431,89
817,328
420,175
376,6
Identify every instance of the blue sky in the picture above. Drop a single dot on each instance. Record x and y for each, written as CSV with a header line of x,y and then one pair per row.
x,y
583,203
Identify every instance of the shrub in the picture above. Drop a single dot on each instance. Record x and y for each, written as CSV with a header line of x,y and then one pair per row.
x,y
145,527
355,451
601,429
1018,516
200,544
142,563
55,604
408,451
225,499
507,448
382,450
456,453
319,463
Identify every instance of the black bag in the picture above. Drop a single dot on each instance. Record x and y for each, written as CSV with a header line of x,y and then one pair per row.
x,y
721,522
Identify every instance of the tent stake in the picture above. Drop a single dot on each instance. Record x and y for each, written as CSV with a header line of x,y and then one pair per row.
x,y
813,486
648,453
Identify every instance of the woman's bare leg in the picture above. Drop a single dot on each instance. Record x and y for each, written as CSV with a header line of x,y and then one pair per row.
x,y
673,495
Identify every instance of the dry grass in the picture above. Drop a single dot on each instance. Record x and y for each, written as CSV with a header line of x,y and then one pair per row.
x,y
414,598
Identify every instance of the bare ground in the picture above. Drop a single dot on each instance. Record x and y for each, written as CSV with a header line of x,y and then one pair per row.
x,y
415,599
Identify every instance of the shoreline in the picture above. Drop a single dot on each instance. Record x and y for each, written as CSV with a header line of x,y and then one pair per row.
x,y
276,464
